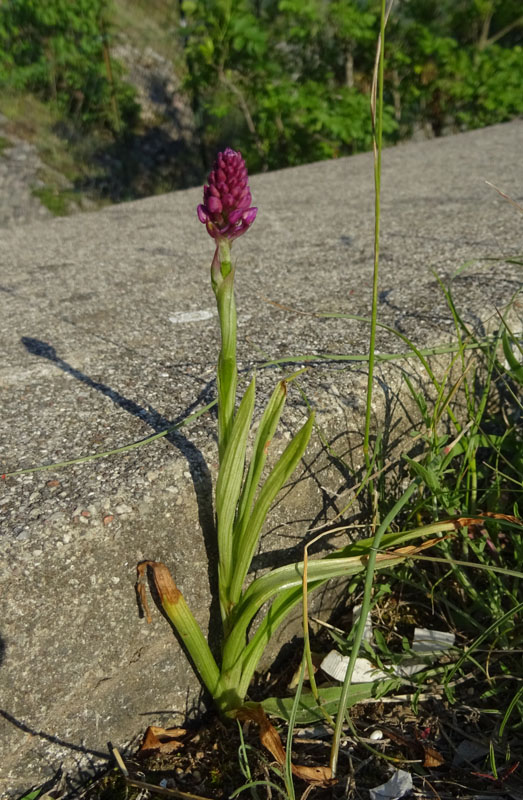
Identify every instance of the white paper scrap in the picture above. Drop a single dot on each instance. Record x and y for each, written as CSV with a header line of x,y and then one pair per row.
x,y
335,666
408,668
429,642
425,642
396,787
192,316
367,630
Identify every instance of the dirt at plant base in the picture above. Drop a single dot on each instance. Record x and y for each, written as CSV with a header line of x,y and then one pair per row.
x,y
442,747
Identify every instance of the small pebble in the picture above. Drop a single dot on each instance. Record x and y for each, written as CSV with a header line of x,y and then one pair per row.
x,y
86,514
122,508
376,735
53,484
108,518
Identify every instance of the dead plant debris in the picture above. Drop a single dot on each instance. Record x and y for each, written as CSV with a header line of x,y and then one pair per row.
x,y
203,762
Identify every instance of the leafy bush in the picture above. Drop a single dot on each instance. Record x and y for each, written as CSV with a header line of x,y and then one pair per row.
x,y
60,51
289,80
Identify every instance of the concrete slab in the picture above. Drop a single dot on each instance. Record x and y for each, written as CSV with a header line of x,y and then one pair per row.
x,y
98,351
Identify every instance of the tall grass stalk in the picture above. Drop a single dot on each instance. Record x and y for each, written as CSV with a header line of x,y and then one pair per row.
x,y
377,122
360,626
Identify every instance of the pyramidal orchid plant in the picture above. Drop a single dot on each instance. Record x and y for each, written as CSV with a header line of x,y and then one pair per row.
x,y
244,494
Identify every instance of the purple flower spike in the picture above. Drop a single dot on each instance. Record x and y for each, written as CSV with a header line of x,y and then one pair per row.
x,y
226,209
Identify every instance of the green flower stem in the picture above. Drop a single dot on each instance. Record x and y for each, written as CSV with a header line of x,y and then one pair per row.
x,y
222,278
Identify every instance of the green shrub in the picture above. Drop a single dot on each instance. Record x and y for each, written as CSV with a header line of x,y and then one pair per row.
x,y
60,51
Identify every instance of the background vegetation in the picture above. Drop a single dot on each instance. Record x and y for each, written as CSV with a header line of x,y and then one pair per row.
x,y
285,81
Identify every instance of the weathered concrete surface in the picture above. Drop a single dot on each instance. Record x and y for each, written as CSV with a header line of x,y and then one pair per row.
x,y
97,353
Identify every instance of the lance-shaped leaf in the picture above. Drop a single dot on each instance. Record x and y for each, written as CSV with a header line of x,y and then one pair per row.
x,y
308,709
264,434
240,660
280,473
228,488
180,615
515,365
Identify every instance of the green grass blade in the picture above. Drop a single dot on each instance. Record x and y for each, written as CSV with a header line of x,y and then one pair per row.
x,y
511,706
289,782
489,568
421,355
480,639
304,358
371,565
33,795
124,449
427,475
254,784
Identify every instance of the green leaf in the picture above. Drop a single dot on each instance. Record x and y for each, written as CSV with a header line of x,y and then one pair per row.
x,y
264,435
32,795
182,619
228,485
280,473
285,584
308,709
428,476
516,368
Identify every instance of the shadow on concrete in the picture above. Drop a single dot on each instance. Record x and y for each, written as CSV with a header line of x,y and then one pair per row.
x,y
23,726
2,649
198,468
44,789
